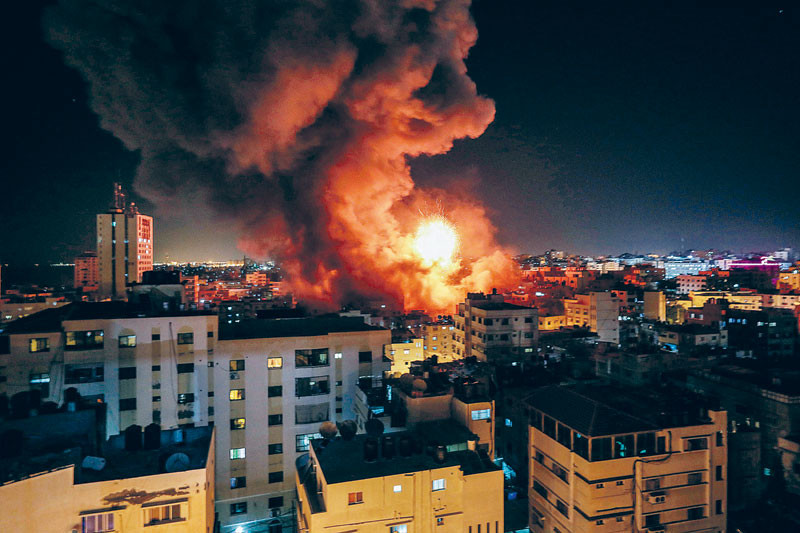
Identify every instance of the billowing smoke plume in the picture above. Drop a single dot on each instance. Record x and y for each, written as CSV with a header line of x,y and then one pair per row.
x,y
295,119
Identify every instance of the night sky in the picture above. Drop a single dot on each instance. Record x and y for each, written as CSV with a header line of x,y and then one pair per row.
x,y
616,130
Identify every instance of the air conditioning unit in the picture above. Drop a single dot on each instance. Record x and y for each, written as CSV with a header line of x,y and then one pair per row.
x,y
234,375
656,497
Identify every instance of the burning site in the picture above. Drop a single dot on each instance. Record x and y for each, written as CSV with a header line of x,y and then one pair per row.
x,y
295,122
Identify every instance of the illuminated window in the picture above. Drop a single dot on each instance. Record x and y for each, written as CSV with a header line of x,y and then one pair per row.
x,y
84,340
237,453
438,484
237,394
236,365
400,528
185,338
355,497
238,508
97,523
275,362
39,345
237,423
303,441
338,355
127,341
481,414
316,357
163,514
398,488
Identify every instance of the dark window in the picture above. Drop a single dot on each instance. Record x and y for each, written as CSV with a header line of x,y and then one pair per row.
x,y
564,436
210,334
127,372
274,391
185,368
538,487
156,336
275,420
581,445
661,445
338,409
238,482
699,443
185,338
236,364
83,374
719,507
694,513
719,439
211,394
311,386
364,357
695,478
528,319
562,508
156,398
549,427
317,357
127,404
275,477
719,473
652,520
186,397
239,508
308,414
488,322
276,502
84,340
156,368
646,444
504,322
623,446
275,449
601,449
536,419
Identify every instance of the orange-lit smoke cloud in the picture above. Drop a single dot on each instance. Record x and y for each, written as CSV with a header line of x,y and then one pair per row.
x,y
296,122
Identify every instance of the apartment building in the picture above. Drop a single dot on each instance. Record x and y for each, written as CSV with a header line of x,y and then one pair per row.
x,y
655,305
398,483
490,329
552,322
613,461
275,382
598,311
437,339
86,273
402,354
145,366
687,283
124,490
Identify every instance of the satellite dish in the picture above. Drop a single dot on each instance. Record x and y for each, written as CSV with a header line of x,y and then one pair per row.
x,y
93,463
177,462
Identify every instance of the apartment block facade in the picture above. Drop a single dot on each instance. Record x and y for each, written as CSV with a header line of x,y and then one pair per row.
x,y
124,250
594,467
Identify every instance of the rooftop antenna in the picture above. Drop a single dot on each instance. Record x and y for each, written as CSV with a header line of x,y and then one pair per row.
x,y
118,204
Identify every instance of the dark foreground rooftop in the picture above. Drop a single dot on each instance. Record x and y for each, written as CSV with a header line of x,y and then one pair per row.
x,y
344,460
598,410
293,327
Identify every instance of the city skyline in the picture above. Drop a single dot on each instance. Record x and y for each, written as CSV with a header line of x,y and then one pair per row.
x,y
568,162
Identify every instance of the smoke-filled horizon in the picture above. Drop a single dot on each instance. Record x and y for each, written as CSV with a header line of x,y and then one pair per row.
x,y
294,121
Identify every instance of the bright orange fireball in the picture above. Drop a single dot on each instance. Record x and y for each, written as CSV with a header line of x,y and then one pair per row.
x,y
436,242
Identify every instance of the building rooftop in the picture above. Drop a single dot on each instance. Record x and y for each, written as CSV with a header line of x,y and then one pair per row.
x,y
499,306
50,320
786,382
598,410
293,327
344,460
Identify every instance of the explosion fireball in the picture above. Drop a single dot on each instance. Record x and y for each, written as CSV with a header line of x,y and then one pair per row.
x,y
436,242
295,122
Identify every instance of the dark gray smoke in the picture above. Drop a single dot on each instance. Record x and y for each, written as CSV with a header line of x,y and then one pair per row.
x,y
292,118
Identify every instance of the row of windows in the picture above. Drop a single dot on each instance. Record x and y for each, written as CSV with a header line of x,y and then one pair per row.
x,y
93,339
241,507
355,498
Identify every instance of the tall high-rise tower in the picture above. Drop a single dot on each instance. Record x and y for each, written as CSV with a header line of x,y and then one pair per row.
x,y
124,246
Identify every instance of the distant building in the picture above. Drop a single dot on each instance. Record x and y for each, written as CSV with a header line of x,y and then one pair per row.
x,y
86,272
598,311
769,333
394,484
655,305
688,283
124,247
674,268
552,322
609,460
402,354
490,329
437,339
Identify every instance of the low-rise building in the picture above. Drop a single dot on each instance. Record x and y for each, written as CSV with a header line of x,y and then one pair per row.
x,y
437,339
599,311
402,354
400,483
